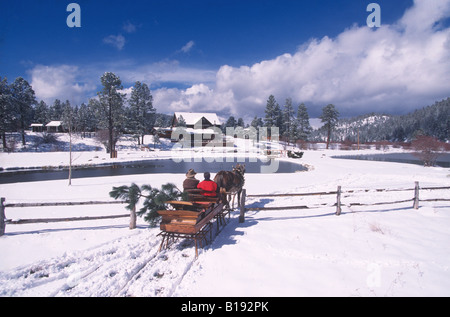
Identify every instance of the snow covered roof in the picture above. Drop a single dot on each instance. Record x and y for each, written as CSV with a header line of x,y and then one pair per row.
x,y
192,118
36,125
53,124
197,131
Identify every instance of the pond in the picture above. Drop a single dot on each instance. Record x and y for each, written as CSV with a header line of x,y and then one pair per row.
x,y
443,160
151,167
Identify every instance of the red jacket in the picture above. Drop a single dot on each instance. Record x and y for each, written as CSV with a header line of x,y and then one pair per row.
x,y
209,186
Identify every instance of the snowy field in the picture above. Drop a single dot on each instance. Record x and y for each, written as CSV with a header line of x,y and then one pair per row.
x,y
385,250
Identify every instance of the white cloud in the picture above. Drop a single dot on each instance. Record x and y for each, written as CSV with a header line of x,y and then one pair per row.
x,y
188,46
60,82
117,41
169,71
425,15
199,98
393,68
129,27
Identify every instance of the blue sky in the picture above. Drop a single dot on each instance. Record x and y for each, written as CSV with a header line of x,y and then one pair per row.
x,y
228,56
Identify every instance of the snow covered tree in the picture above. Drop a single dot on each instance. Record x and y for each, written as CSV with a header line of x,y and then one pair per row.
x,y
231,122
56,110
257,122
278,118
288,120
329,117
69,117
42,113
181,122
109,108
6,111
303,127
269,119
86,119
142,113
23,99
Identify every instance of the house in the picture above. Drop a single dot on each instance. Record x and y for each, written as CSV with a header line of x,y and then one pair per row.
x,y
54,126
197,124
37,127
196,120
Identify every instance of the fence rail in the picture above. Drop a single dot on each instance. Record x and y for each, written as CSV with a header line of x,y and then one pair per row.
x,y
56,204
4,221
338,204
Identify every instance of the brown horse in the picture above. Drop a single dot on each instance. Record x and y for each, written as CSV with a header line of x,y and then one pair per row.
x,y
232,182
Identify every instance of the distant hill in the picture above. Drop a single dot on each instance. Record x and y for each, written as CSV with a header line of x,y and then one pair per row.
x,y
432,120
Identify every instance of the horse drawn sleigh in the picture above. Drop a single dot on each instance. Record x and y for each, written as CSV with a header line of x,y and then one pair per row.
x,y
192,219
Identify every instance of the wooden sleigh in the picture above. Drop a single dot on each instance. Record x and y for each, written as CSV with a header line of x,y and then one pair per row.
x,y
191,219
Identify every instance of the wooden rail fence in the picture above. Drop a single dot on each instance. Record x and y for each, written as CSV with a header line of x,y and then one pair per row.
x,y
4,221
338,203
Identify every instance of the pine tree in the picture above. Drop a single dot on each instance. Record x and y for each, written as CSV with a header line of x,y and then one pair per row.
x,y
329,118
42,113
231,122
23,99
109,108
278,119
6,110
142,113
257,123
155,199
56,110
269,120
86,119
303,127
288,119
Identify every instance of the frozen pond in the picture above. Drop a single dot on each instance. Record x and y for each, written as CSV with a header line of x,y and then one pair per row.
x,y
443,160
151,167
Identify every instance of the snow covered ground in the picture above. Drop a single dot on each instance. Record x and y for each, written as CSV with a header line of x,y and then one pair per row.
x,y
385,250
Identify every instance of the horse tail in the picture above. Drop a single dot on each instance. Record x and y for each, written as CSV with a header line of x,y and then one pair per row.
x,y
221,180
218,179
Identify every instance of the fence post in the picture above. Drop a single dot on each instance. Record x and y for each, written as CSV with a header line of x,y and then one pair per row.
x,y
416,196
2,216
242,214
133,218
338,203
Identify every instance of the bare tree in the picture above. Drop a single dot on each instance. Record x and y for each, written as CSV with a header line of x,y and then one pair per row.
x,y
427,149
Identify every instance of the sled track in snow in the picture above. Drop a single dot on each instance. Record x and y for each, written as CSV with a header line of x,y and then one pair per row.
x,y
129,266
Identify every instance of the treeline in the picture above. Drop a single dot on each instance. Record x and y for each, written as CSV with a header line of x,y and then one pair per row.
x,y
432,121
294,126
19,108
292,121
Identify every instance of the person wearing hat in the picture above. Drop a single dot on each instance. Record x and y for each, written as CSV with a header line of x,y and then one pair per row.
x,y
190,182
